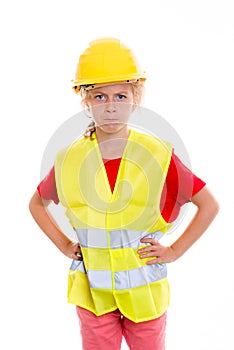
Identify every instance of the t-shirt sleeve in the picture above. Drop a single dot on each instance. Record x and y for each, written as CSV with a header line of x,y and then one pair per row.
x,y
47,188
180,186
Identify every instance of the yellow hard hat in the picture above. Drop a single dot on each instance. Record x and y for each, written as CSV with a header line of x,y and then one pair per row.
x,y
106,60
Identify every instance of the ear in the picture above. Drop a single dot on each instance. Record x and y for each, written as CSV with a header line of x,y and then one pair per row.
x,y
88,110
134,106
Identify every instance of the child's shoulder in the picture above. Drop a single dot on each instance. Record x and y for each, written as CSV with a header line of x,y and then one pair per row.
x,y
144,137
75,146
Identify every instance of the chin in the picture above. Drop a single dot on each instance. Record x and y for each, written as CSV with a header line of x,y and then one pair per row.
x,y
111,128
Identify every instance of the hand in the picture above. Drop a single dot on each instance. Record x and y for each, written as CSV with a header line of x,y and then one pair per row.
x,y
162,254
73,251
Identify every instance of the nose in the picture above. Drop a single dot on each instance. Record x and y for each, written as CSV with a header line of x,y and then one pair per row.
x,y
110,105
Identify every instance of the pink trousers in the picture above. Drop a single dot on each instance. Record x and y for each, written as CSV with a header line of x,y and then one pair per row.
x,y
105,332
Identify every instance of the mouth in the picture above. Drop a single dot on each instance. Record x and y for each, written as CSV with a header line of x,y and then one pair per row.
x,y
110,121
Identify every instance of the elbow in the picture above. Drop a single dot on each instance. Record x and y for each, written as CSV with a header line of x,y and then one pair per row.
x,y
34,201
206,203
215,207
31,206
212,208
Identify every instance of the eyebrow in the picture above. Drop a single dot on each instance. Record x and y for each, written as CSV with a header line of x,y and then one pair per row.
x,y
117,93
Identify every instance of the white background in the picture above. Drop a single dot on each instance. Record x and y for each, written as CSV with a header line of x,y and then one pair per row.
x,y
187,50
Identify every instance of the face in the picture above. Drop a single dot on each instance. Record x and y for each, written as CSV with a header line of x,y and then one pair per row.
x,y
111,106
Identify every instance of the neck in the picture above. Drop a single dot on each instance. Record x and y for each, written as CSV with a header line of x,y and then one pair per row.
x,y
112,145
104,136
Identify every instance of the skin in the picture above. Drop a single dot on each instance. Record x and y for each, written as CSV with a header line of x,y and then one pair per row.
x,y
45,221
111,107
207,209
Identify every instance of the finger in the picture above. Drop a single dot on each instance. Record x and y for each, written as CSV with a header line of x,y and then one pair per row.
x,y
148,240
77,249
150,248
75,257
154,261
148,255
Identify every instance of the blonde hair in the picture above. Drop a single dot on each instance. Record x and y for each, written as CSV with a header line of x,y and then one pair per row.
x,y
137,90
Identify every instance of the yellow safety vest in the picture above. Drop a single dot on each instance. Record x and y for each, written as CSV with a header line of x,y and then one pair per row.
x,y
110,225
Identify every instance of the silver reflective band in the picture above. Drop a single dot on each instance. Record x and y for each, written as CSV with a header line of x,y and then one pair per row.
x,y
140,277
101,238
78,265
100,279
122,279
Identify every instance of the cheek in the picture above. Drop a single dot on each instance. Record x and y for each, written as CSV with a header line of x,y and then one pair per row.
x,y
97,111
127,109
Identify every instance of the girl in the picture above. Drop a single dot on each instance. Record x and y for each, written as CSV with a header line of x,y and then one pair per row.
x,y
122,190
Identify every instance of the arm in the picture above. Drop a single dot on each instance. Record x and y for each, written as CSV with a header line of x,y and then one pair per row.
x,y
207,209
45,221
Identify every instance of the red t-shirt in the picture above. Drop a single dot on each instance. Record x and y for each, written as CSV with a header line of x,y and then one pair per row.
x,y
180,186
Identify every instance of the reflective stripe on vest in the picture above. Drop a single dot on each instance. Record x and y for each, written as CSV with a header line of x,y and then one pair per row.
x,y
110,226
139,276
123,279
126,279
100,238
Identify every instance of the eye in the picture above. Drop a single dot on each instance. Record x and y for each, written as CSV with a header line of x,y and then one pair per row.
x,y
121,97
99,97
